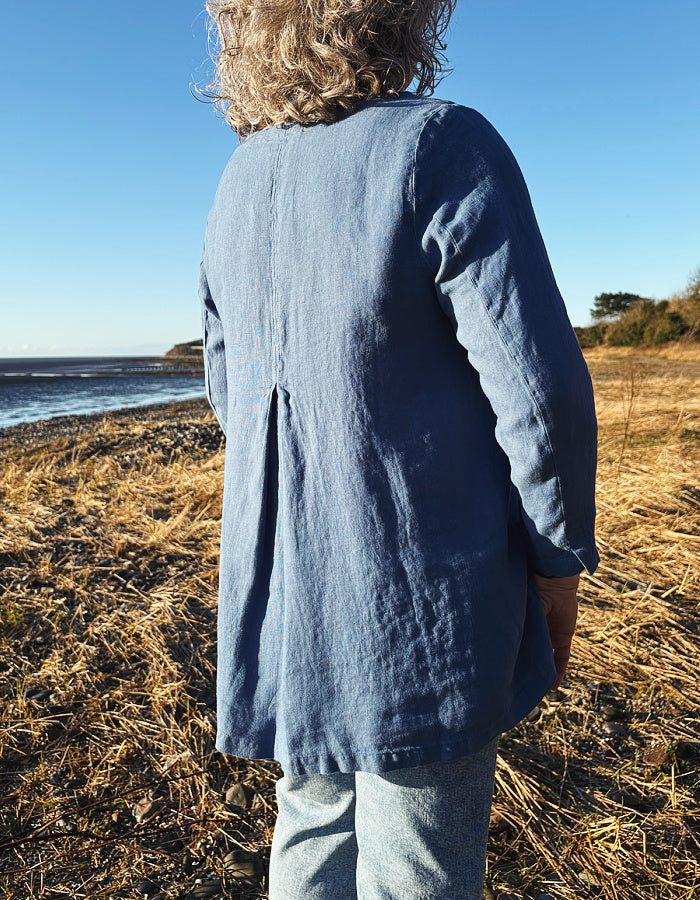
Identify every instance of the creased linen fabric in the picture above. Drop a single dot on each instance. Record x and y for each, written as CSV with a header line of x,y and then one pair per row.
x,y
410,433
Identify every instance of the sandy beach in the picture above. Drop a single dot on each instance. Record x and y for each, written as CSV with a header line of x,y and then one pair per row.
x,y
109,781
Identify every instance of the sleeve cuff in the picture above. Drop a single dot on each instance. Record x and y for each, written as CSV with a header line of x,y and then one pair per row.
x,y
572,563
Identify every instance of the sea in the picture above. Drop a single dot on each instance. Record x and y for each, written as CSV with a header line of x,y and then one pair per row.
x,y
41,388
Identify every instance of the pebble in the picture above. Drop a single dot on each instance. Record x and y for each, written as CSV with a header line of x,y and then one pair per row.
x,y
611,711
612,728
497,823
53,729
37,694
210,888
179,757
241,864
488,894
658,755
688,750
147,887
534,714
590,881
144,809
545,897
557,696
632,801
240,796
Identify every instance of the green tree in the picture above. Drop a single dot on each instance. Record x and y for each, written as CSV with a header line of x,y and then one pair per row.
x,y
607,306
591,335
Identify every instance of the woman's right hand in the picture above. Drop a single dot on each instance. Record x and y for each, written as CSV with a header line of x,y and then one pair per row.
x,y
560,609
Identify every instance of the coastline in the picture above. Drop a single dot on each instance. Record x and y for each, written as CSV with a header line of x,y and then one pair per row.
x,y
36,389
42,431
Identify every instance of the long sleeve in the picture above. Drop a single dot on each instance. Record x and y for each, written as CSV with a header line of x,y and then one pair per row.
x,y
214,351
477,230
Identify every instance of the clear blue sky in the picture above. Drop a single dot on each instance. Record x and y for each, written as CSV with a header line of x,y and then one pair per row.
x,y
108,165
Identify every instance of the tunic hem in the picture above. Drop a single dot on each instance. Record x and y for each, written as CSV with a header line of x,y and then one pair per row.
x,y
378,761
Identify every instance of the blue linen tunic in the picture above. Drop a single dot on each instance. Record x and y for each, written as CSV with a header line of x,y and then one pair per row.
x,y
410,433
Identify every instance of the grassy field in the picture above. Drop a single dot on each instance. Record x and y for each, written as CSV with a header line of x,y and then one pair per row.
x,y
109,782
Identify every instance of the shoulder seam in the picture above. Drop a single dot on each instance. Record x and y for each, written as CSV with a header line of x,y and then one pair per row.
x,y
443,104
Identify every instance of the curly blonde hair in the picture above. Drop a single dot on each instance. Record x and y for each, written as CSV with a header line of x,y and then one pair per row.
x,y
310,60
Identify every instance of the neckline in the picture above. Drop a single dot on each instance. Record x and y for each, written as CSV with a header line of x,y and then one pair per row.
x,y
361,104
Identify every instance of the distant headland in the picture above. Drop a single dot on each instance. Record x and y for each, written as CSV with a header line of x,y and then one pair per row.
x,y
191,351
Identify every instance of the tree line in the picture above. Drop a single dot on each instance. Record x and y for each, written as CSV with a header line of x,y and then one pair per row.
x,y
628,320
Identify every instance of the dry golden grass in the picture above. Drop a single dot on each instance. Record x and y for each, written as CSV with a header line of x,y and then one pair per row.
x,y
688,351
108,548
616,814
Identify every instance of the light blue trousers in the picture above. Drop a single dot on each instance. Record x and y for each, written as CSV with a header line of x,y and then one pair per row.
x,y
411,834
